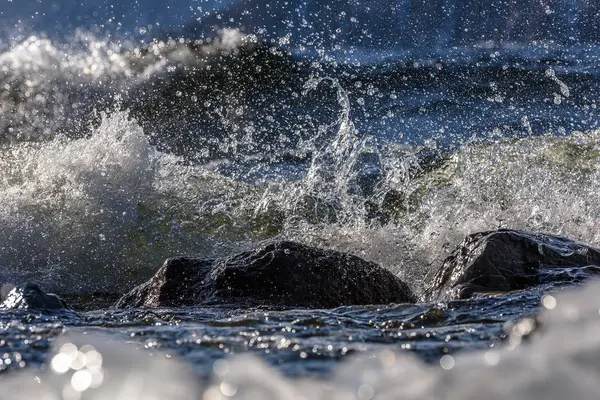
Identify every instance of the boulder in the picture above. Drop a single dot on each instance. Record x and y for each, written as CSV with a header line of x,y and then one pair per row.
x,y
507,260
282,273
29,296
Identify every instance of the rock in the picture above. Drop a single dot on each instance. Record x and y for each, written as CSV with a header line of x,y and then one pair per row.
x,y
178,283
284,274
505,260
31,297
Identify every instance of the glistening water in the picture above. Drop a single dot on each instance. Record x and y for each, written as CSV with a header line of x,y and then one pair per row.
x,y
130,133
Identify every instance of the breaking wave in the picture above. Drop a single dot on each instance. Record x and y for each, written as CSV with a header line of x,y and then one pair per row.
x,y
101,212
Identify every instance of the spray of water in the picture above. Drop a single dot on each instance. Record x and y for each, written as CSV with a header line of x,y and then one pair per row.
x,y
75,211
411,210
89,213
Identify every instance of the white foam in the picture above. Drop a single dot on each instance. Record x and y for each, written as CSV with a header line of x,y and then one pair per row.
x,y
91,213
48,88
544,184
44,85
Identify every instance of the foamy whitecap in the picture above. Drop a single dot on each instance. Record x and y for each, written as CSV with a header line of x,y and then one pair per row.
x,y
50,89
45,87
88,214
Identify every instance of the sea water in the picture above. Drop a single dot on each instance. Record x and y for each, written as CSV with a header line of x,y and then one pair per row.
x,y
133,133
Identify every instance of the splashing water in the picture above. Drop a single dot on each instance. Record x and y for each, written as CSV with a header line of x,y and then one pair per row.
x,y
389,135
329,191
74,212
422,206
112,202
84,202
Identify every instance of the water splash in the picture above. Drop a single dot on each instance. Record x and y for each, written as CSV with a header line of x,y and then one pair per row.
x,y
112,202
76,212
330,191
423,208
416,203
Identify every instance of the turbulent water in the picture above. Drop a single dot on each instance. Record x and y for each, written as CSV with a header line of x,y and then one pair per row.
x,y
133,133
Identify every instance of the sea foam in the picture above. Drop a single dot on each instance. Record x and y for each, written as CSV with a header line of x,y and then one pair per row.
x,y
76,212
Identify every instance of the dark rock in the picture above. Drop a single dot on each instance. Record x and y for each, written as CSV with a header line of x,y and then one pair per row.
x,y
31,297
277,274
505,260
178,283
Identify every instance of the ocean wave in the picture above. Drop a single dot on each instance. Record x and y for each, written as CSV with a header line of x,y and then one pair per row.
x,y
103,211
88,214
237,95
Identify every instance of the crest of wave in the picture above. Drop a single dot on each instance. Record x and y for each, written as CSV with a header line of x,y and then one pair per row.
x,y
39,59
49,88
98,210
45,86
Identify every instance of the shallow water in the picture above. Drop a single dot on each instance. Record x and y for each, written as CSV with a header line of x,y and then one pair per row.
x,y
298,342
113,353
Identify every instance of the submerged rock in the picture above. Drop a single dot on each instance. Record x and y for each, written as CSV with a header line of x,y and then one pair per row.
x,y
275,274
506,260
31,297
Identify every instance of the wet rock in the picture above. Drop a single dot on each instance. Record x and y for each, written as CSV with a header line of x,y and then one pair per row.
x,y
179,282
275,274
506,260
31,297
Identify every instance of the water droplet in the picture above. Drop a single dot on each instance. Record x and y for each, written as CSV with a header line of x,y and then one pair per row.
x,y
447,362
549,302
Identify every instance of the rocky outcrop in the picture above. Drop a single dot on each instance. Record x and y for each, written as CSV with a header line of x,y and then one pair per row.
x,y
31,297
284,274
506,260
